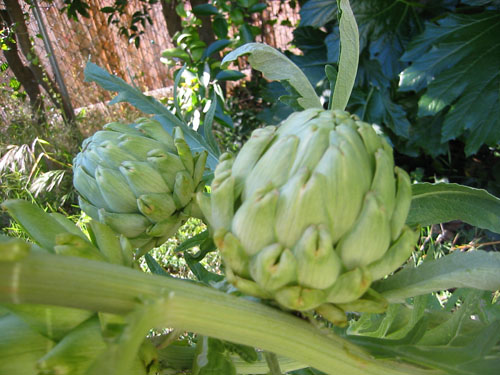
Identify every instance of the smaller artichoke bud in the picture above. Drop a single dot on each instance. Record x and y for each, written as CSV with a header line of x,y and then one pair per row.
x,y
140,180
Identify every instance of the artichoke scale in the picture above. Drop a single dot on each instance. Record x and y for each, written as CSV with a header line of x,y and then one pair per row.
x,y
369,238
253,222
273,167
115,190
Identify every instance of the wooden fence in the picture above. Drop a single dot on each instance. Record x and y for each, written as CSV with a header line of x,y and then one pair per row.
x,y
93,39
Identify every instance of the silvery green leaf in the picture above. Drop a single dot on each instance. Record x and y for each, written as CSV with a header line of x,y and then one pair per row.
x,y
276,66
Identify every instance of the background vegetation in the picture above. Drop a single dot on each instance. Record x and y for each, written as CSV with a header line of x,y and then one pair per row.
x,y
429,76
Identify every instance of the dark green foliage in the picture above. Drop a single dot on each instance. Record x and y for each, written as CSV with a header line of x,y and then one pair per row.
x,y
429,72
465,334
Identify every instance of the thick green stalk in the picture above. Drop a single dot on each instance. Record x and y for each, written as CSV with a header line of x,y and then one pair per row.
x,y
98,286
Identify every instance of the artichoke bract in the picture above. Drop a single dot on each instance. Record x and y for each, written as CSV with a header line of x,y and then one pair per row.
x,y
310,213
139,180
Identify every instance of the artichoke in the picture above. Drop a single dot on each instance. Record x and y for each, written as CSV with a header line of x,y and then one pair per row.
x,y
310,213
139,180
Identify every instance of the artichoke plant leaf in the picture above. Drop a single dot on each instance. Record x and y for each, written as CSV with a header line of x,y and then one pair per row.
x,y
473,269
457,59
154,266
30,216
458,342
276,66
211,357
442,202
317,13
201,273
349,56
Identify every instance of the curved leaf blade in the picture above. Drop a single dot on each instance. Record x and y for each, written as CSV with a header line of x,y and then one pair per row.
x,y
349,57
42,227
439,203
276,66
473,269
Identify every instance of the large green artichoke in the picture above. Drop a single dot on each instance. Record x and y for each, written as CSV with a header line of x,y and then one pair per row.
x,y
139,180
311,212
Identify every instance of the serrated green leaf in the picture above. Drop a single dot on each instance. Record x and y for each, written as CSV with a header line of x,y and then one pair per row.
x,y
458,60
317,13
474,269
465,355
380,109
439,203
276,66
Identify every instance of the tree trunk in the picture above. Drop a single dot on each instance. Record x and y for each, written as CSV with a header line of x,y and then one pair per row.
x,y
206,31
16,16
173,20
22,73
